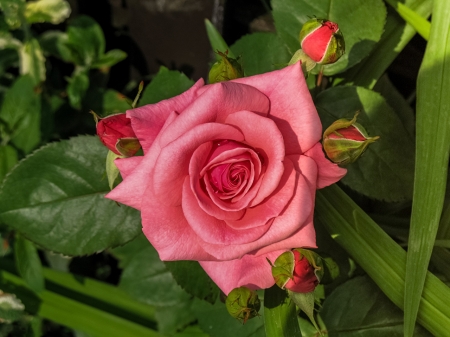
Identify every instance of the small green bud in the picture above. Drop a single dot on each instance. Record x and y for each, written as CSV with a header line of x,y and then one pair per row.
x,y
322,41
225,69
243,304
344,141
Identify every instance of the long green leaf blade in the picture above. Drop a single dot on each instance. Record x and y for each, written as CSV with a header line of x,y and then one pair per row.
x,y
280,318
381,257
432,154
420,24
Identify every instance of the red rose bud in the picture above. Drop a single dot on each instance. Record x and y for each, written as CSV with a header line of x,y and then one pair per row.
x,y
243,304
322,41
116,134
345,140
299,270
225,69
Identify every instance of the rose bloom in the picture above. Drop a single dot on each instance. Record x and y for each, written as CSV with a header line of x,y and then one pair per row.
x,y
229,174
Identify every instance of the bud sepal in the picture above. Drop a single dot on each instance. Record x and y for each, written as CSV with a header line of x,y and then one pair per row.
x,y
225,69
243,304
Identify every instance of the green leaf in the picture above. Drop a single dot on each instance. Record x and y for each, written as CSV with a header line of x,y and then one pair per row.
x,y
173,318
146,279
20,111
32,60
53,11
260,52
55,197
216,40
55,43
126,253
360,21
114,102
359,308
280,314
13,12
193,279
8,41
77,87
396,36
86,40
388,161
216,321
8,158
109,59
28,263
166,84
432,157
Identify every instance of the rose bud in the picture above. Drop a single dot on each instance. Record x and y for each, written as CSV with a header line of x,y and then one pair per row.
x,y
116,134
225,69
322,41
243,304
345,140
299,270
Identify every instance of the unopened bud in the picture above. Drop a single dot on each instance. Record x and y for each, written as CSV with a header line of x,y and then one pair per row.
x,y
299,270
322,41
243,304
225,69
116,134
344,141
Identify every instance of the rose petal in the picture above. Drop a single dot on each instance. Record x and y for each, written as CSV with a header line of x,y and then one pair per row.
x,y
131,190
291,106
291,220
168,231
329,173
172,165
196,165
262,135
214,105
148,120
251,271
127,165
210,229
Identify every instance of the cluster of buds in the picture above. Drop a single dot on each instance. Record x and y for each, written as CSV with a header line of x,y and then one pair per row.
x,y
116,134
344,141
225,69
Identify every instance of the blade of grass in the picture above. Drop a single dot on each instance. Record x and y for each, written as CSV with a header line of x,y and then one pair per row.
x,y
280,317
421,25
216,40
380,256
432,154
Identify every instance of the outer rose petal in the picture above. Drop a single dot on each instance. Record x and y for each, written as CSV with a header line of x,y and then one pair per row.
x,y
148,120
127,165
291,106
130,192
329,173
251,271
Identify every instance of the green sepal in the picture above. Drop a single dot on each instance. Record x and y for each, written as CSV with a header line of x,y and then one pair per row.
x,y
243,304
309,27
336,48
225,69
128,146
283,268
307,63
305,302
112,172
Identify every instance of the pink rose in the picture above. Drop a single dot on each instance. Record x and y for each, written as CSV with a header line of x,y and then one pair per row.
x,y
229,174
